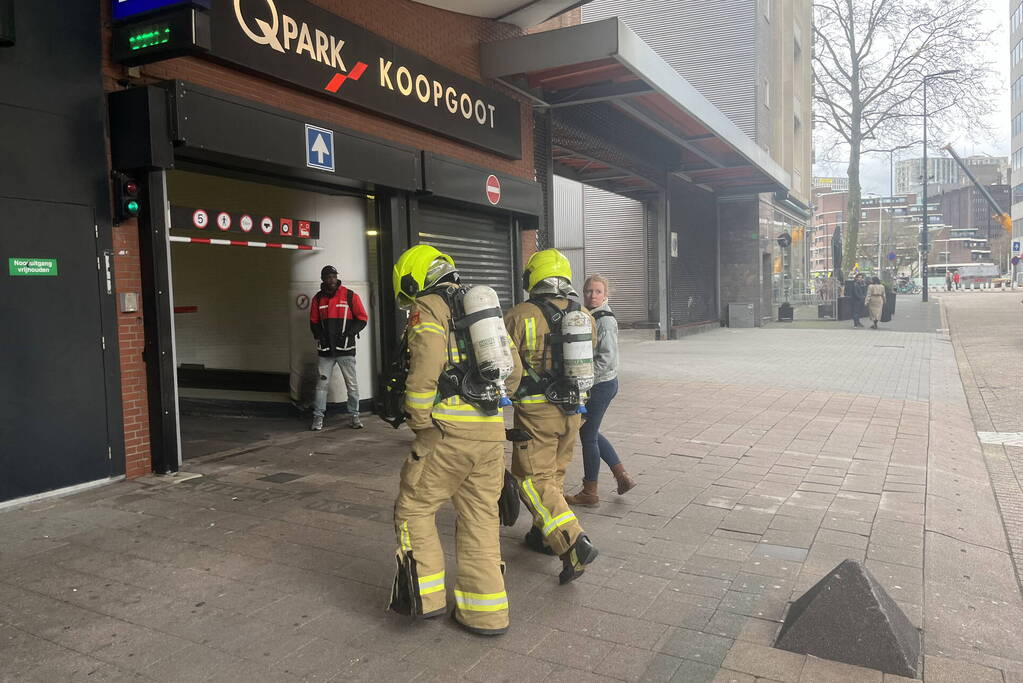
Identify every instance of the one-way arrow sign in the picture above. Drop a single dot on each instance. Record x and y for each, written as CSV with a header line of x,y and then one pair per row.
x,y
319,148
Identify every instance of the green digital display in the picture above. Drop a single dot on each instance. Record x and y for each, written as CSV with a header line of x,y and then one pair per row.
x,y
174,33
149,38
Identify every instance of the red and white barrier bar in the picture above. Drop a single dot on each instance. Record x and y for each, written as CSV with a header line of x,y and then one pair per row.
x,y
240,243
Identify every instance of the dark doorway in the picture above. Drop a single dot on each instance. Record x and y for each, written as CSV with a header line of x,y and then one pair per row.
x,y
53,415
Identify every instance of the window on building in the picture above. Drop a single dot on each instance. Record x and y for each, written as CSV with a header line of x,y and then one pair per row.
x,y
767,92
1017,53
1017,17
766,5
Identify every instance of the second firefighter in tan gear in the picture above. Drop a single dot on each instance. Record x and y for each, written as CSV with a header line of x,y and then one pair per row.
x,y
539,463
457,455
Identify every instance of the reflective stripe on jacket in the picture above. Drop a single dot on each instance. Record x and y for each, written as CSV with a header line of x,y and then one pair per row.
x,y
334,323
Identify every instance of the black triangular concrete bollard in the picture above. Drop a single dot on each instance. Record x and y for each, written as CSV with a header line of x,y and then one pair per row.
x,y
848,617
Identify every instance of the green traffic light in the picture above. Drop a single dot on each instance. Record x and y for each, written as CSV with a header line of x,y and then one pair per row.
x,y
133,207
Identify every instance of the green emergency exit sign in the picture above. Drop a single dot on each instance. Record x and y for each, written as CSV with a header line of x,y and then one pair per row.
x,y
29,267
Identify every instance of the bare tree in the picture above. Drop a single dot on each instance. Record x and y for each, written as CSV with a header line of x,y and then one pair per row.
x,y
869,62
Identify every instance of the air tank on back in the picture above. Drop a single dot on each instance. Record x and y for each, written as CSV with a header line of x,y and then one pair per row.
x,y
578,355
490,342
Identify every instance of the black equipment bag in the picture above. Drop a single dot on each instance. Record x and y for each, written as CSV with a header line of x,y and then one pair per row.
x,y
393,402
509,505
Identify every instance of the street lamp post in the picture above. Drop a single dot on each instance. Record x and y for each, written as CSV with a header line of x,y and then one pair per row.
x,y
926,228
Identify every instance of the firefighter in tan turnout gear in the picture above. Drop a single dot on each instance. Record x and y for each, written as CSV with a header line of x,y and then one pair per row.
x,y
461,367
554,337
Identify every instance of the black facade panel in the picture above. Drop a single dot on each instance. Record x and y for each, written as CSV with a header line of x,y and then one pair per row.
x,y
451,179
53,408
60,409
140,117
213,127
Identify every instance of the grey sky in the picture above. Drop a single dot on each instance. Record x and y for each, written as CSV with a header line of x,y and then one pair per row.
x,y
874,168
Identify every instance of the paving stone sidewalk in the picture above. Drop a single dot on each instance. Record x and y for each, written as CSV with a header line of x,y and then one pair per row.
x,y
987,333
764,458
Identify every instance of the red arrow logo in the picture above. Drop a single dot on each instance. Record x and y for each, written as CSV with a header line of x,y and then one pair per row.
x,y
355,74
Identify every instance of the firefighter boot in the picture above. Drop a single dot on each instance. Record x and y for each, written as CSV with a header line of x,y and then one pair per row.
x,y
575,560
534,540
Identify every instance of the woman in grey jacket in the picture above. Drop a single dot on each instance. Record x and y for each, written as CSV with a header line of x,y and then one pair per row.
x,y
605,387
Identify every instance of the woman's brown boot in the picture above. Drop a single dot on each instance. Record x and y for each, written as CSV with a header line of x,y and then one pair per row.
x,y
587,497
625,482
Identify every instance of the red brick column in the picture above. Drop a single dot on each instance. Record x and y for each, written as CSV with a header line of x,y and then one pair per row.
x,y
528,247
131,339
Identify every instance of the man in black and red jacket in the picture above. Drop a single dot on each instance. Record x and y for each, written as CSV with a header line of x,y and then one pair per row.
x,y
336,316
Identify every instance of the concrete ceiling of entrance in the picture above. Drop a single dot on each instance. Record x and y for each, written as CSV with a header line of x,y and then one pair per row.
x,y
605,65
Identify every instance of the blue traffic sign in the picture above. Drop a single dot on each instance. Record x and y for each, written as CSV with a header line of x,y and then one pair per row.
x,y
1016,246
892,256
319,148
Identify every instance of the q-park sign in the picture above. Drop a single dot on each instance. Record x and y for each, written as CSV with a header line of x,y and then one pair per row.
x,y
306,46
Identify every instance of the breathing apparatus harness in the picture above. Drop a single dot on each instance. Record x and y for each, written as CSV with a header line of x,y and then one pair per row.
x,y
465,378
460,377
558,389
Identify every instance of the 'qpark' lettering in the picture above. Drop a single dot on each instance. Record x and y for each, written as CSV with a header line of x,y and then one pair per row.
x,y
428,90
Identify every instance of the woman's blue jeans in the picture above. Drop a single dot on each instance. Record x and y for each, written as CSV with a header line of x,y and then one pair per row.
x,y
595,446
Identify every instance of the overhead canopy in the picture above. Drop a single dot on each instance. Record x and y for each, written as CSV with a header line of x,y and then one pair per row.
x,y
622,118
522,13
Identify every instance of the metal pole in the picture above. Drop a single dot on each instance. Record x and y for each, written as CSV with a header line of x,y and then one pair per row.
x,y
891,207
880,222
924,237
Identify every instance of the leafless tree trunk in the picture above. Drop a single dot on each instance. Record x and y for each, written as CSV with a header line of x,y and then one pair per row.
x,y
869,62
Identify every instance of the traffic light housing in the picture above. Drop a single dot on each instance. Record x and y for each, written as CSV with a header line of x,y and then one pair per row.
x,y
126,198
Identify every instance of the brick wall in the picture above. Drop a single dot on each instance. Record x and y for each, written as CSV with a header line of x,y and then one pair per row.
x,y
131,338
528,246
570,18
447,38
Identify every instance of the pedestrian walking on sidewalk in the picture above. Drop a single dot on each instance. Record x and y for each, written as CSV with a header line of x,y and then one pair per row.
x,y
605,387
858,293
457,455
874,301
956,278
336,317
948,281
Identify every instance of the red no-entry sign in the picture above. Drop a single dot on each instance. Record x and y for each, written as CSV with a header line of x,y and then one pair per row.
x,y
493,189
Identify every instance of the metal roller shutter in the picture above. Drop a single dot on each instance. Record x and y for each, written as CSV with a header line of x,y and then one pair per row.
x,y
616,248
480,244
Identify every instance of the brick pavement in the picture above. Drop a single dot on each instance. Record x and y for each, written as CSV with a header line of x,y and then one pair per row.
x,y
764,458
